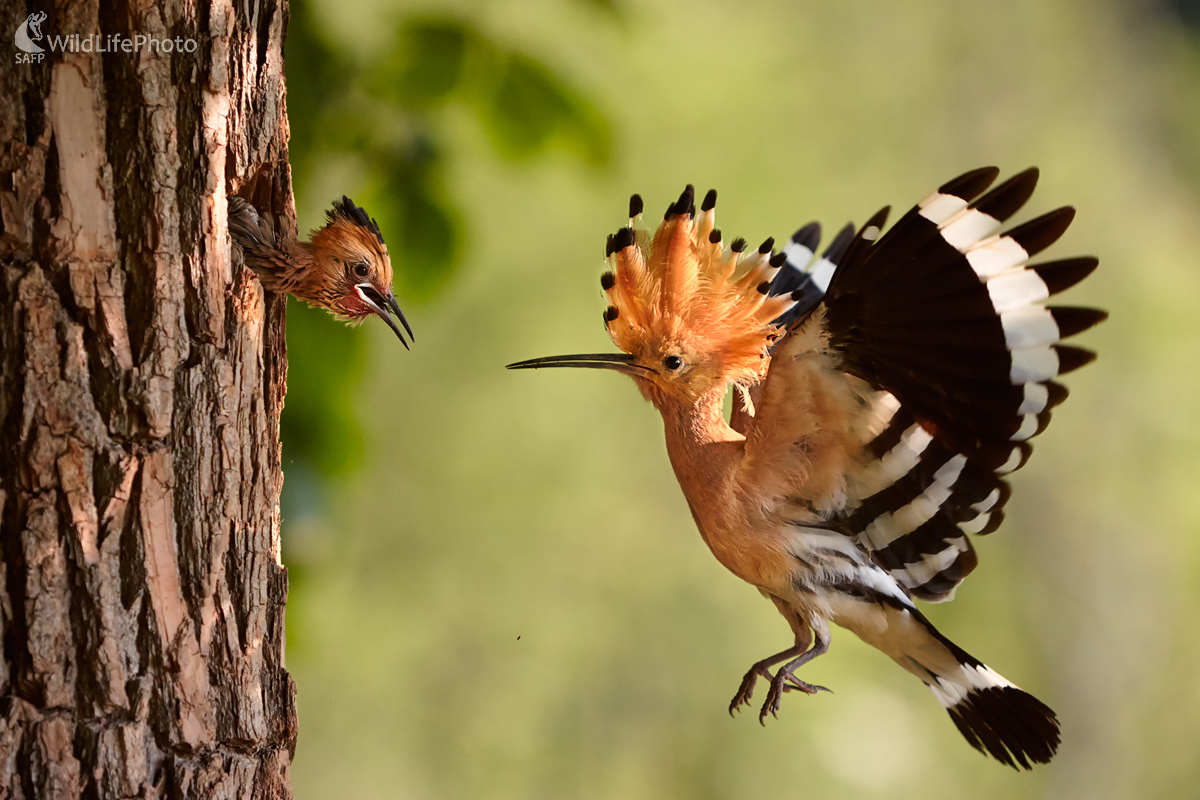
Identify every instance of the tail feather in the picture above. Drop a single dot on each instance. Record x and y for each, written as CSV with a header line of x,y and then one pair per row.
x,y
995,716
1010,725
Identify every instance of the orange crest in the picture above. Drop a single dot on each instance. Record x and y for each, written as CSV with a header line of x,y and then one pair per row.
x,y
682,288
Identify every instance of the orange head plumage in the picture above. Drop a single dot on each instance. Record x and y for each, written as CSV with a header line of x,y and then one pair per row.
x,y
353,275
691,314
344,269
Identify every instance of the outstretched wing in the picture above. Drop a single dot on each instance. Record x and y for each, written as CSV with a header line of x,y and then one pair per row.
x,y
942,321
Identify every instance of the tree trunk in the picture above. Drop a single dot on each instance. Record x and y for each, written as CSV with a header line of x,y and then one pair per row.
x,y
142,594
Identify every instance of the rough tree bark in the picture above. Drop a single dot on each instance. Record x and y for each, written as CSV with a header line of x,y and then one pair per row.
x,y
142,594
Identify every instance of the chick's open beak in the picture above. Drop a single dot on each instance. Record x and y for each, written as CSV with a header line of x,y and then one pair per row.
x,y
382,306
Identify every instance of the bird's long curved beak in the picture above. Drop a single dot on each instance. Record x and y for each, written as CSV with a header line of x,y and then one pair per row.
x,y
382,305
621,362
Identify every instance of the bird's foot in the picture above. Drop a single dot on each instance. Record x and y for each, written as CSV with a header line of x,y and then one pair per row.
x,y
742,698
774,695
784,681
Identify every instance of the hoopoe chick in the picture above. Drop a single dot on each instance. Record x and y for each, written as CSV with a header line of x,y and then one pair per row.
x,y
344,269
882,391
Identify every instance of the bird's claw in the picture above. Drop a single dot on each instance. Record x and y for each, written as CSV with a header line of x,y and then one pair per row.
x,y
742,698
746,689
771,704
794,684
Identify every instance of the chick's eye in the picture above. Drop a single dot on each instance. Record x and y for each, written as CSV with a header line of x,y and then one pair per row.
x,y
672,362
361,269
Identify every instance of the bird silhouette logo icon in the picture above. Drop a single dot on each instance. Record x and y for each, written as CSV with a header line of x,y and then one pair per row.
x,y
29,33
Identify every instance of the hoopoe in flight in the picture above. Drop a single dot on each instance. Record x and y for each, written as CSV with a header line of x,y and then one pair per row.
x,y
882,391
344,269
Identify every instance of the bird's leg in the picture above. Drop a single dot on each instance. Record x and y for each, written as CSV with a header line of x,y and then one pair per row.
x,y
785,678
801,630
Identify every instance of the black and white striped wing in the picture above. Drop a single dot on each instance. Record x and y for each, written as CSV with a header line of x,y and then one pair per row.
x,y
806,277
947,317
802,272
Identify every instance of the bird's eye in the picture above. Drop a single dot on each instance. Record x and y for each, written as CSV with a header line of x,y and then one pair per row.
x,y
672,362
361,269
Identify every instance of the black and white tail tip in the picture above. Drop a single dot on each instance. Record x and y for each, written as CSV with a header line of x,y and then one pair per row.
x,y
1010,725
994,716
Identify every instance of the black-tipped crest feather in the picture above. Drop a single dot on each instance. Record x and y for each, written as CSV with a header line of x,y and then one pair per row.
x,y
347,210
635,205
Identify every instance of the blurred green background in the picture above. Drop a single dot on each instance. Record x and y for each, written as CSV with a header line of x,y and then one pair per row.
x,y
497,588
